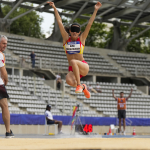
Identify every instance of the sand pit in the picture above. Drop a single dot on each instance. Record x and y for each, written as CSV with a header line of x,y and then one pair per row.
x,y
75,143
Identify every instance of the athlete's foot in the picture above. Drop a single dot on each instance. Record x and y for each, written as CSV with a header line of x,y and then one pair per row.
x,y
120,133
79,89
124,133
86,92
9,134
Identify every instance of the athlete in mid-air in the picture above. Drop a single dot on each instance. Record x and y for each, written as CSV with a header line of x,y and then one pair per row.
x,y
74,47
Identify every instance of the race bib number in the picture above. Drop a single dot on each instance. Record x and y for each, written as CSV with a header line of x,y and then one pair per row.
x,y
73,47
121,105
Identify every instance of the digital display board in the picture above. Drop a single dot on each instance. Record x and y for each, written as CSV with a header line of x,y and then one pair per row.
x,y
87,128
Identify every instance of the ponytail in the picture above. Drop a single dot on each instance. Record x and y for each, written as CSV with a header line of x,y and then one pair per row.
x,y
67,29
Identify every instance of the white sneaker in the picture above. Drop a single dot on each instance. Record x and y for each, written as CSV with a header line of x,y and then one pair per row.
x,y
124,133
60,132
120,133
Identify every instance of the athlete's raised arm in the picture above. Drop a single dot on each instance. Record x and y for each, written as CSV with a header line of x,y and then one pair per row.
x,y
64,34
129,94
114,95
88,27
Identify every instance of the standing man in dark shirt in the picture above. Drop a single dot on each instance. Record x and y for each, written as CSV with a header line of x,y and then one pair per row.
x,y
32,55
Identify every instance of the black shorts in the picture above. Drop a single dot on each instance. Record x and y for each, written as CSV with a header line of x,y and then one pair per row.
x,y
50,122
121,114
3,92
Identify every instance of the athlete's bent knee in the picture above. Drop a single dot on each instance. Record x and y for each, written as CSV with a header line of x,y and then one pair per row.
x,y
73,62
69,81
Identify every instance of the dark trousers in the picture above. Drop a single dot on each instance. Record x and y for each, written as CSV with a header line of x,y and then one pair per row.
x,y
58,85
33,63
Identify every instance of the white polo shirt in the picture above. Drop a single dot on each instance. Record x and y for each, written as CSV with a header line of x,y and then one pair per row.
x,y
90,88
58,76
98,87
49,115
2,63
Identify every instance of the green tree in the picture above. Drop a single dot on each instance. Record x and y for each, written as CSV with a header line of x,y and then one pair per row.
x,y
100,36
97,34
28,25
137,44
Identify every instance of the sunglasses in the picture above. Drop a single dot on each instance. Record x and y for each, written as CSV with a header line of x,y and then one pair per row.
x,y
75,29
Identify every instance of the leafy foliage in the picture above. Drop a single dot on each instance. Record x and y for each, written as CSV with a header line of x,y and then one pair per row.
x,y
100,35
28,25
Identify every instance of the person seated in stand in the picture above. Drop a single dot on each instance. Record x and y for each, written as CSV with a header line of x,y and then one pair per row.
x,y
50,120
91,89
43,78
98,88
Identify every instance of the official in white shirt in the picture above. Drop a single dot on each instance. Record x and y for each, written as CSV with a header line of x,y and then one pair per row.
x,y
3,91
50,120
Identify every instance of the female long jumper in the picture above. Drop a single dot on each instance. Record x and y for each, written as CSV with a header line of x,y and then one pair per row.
x,y
74,47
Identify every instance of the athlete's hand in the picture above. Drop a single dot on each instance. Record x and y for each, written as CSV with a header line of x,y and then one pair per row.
x,y
113,90
5,82
98,5
51,4
131,89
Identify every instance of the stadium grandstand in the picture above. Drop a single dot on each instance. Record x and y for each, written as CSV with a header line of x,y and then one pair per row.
x,y
110,68
103,71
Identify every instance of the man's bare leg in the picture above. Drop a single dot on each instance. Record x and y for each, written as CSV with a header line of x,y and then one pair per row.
x,y
5,113
124,124
120,125
59,125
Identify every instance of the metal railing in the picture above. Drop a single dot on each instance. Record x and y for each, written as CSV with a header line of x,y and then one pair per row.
x,y
40,63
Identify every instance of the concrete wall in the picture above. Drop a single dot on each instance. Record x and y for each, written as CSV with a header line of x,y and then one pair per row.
x,y
51,83
144,89
29,73
87,78
40,129
106,79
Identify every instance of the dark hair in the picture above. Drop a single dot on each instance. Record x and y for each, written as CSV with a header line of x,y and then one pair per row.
x,y
121,92
48,106
67,29
76,24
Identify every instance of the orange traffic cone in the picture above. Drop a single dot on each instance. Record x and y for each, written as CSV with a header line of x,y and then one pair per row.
x,y
134,131
110,133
